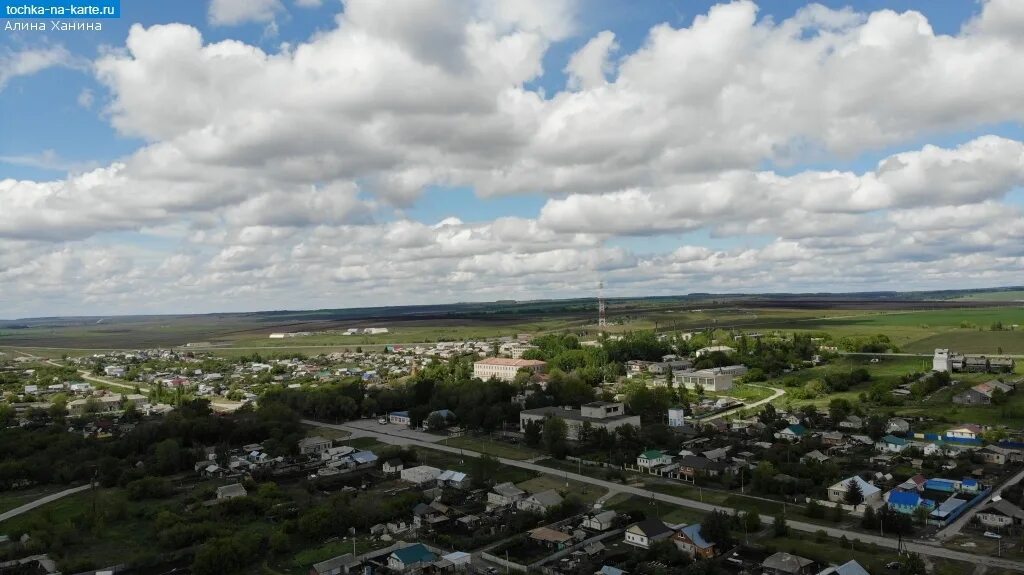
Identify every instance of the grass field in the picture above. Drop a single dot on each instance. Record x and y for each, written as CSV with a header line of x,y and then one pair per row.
x,y
491,447
825,550
588,493
624,503
1011,295
11,499
126,540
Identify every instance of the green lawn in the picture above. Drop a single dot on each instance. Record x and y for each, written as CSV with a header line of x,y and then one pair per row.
x,y
1009,295
491,447
300,563
971,341
586,492
826,550
12,499
366,443
624,503
327,432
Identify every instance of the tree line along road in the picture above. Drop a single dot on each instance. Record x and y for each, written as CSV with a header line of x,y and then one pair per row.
x,y
922,548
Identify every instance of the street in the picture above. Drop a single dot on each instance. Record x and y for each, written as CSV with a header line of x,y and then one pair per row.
x,y
400,437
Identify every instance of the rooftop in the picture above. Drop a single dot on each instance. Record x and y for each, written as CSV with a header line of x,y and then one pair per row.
x,y
510,362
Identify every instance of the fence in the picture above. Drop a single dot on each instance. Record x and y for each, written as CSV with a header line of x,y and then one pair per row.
x,y
512,565
572,549
854,509
965,507
590,463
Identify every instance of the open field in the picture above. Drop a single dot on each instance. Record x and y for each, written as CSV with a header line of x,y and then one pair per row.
x,y
903,317
492,447
824,549
12,499
1008,295
586,492
631,504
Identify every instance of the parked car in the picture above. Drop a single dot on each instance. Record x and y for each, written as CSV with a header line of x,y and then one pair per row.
x,y
382,420
992,535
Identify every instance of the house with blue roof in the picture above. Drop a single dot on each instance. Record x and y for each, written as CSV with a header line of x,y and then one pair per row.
x,y
969,485
891,444
364,457
411,557
942,485
908,501
399,418
946,510
690,541
447,414
851,567
609,570
793,432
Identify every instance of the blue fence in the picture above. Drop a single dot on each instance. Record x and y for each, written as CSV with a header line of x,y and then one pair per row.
x,y
963,508
947,439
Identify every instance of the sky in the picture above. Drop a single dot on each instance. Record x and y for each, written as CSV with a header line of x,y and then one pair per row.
x,y
239,155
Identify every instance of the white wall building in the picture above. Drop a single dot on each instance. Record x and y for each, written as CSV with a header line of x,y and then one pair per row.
x,y
504,368
599,414
676,416
941,361
708,379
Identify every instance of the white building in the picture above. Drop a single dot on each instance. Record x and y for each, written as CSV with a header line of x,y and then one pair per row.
x,y
516,350
399,418
871,494
646,532
707,379
110,403
114,371
599,414
504,368
713,349
314,445
421,474
676,416
941,361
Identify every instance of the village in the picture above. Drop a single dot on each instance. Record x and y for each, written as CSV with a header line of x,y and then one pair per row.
x,y
837,467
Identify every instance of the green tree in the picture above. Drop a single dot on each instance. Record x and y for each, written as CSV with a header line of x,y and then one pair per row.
x,y
715,528
168,456
854,494
6,415
779,526
912,564
752,521
436,421
554,436
532,433
815,510
870,519
999,397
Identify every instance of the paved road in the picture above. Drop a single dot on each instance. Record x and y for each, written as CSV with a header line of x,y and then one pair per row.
x,y
41,501
776,393
931,550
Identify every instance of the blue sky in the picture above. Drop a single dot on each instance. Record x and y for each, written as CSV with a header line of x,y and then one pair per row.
x,y
719,165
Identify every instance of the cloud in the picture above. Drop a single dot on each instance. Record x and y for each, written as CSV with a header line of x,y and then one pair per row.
x,y
235,12
280,177
46,160
86,98
14,64
589,67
